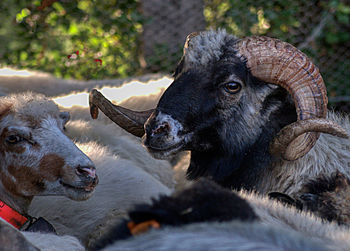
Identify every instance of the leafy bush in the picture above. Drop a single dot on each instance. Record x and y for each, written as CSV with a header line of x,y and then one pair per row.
x,y
82,39
95,39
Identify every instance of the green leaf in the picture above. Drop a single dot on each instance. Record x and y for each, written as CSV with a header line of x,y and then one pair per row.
x,y
23,14
73,29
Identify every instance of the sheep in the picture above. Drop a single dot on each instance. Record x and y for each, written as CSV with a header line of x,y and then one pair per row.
x,y
125,179
89,136
37,158
128,174
207,216
249,110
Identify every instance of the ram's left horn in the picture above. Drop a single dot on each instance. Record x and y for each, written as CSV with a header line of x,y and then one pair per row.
x,y
131,121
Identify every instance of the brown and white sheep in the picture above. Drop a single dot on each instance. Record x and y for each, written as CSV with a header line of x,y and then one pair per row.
x,y
37,158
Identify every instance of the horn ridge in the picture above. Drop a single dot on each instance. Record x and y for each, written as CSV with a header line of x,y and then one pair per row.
x,y
280,63
298,131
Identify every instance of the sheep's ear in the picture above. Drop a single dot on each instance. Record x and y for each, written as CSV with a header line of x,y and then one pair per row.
x,y
65,116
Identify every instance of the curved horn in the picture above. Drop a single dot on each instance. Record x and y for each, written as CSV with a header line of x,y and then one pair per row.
x,y
131,121
294,130
278,62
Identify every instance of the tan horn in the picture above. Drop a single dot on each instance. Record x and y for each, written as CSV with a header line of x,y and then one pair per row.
x,y
280,63
294,130
131,121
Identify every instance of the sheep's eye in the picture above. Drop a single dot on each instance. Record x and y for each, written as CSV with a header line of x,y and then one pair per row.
x,y
13,139
232,87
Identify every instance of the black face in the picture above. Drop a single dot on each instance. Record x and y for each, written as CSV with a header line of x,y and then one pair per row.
x,y
219,112
199,106
185,116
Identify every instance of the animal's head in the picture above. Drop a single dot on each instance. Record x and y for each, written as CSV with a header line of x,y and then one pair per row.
x,y
36,157
226,90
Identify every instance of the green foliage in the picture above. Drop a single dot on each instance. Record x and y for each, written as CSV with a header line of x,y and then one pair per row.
x,y
95,39
245,18
104,33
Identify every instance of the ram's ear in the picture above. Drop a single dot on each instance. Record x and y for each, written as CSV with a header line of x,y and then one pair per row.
x,y
179,67
65,116
188,40
187,45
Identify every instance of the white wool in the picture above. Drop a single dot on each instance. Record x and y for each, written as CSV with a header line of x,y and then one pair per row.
x,y
279,228
277,214
123,144
52,242
235,235
329,154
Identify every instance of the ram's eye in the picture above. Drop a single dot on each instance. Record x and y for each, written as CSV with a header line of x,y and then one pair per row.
x,y
232,87
13,139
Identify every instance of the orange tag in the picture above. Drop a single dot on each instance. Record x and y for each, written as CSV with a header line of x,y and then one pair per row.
x,y
142,227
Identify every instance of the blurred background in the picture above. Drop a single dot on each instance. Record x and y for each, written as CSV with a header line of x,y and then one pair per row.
x,y
108,39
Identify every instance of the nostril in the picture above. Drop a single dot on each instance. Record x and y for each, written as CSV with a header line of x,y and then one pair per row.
x,y
86,171
162,129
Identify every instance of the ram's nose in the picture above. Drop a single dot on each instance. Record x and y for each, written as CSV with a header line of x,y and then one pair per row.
x,y
162,131
157,131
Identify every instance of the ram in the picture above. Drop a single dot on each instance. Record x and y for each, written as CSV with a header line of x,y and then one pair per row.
x,y
253,113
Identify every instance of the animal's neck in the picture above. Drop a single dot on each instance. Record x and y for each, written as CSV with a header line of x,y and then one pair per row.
x,y
237,171
245,167
16,202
